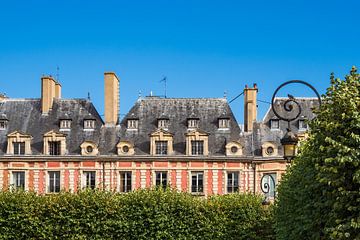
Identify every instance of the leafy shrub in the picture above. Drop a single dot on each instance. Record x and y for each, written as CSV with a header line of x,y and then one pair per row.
x,y
142,214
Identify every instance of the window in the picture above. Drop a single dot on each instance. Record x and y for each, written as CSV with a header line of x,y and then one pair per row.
x,y
197,147
197,182
163,123
132,124
274,124
193,123
269,150
89,124
54,147
125,181
19,179
268,184
3,124
65,124
303,125
161,147
19,148
54,181
224,123
161,179
234,149
89,177
232,182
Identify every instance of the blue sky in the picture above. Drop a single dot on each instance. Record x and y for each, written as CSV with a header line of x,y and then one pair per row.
x,y
203,47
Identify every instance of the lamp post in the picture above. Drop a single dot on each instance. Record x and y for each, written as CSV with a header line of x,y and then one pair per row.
x,y
289,141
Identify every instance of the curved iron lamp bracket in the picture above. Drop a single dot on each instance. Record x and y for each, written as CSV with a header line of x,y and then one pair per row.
x,y
288,107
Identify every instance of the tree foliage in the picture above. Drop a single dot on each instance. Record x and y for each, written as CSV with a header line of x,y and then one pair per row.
x,y
143,214
319,196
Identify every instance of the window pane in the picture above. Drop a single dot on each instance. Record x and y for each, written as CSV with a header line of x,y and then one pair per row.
x,y
161,179
197,185
125,181
54,147
90,179
161,147
19,179
233,182
54,181
197,147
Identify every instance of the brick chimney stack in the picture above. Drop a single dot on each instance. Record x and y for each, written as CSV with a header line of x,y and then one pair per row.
x,y
112,101
250,108
57,90
47,93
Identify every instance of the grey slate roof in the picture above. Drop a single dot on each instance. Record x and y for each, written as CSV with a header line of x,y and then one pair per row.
x,y
25,115
264,133
177,110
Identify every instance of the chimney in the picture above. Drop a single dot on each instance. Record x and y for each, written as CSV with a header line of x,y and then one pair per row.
x,y
57,90
250,109
112,102
47,93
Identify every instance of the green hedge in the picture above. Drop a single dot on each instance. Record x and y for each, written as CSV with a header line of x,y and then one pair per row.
x,y
143,214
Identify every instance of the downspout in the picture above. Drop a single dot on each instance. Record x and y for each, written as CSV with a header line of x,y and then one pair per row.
x,y
103,175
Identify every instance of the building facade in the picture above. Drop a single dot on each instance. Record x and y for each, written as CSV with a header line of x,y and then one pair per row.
x,y
192,144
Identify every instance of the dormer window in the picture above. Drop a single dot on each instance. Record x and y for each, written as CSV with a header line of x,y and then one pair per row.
x,y
132,124
163,123
302,125
89,124
65,124
274,124
224,123
19,148
193,123
3,124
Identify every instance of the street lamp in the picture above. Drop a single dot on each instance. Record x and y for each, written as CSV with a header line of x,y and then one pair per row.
x,y
289,140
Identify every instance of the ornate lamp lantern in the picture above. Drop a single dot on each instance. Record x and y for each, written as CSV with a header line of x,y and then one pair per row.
x,y
289,142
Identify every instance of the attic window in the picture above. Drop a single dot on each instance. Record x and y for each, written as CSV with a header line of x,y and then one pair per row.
x,y
274,124
132,123
89,124
303,125
193,123
224,123
163,123
65,124
3,124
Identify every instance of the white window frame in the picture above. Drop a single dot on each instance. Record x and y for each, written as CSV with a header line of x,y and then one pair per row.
x,y
12,180
89,124
272,122
163,123
196,146
126,180
233,181
48,181
85,179
19,147
224,123
197,173
132,124
193,123
161,179
161,145
65,124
